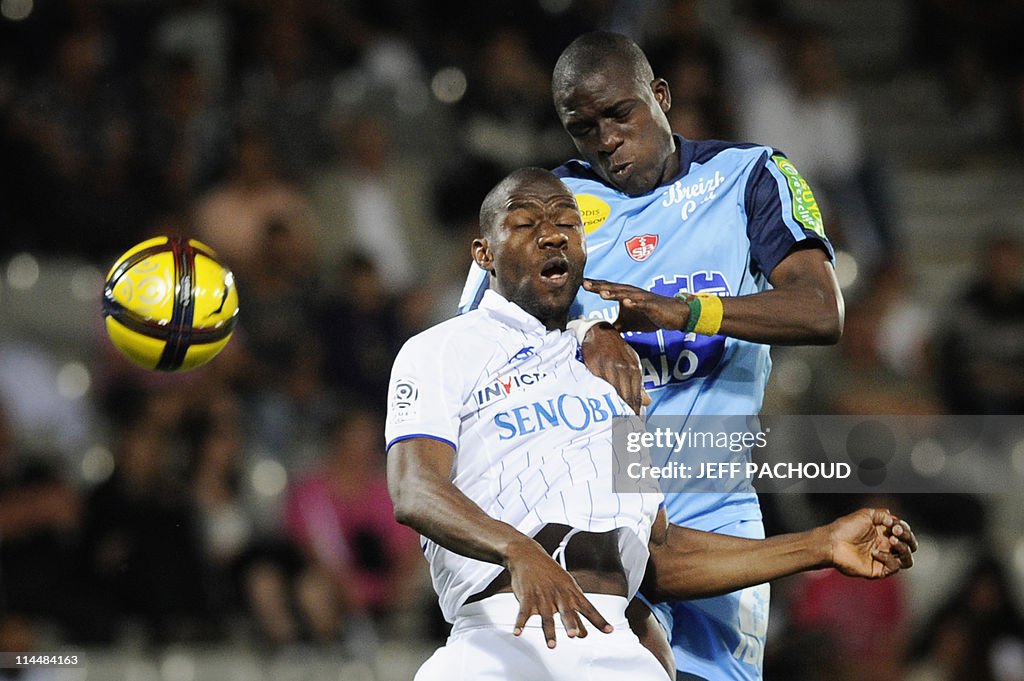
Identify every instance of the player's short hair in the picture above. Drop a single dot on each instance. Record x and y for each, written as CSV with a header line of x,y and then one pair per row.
x,y
490,208
597,51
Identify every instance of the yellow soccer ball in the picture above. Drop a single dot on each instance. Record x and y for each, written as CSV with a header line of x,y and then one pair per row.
x,y
169,305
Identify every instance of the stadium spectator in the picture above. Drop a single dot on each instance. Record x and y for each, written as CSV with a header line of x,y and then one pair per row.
x,y
954,651
372,199
40,519
690,55
812,116
232,215
341,516
977,633
846,613
184,132
283,347
284,89
870,373
362,327
507,118
254,574
975,53
906,322
141,539
201,34
981,346
81,149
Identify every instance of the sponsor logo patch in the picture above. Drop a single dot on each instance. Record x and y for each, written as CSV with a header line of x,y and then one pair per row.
x,y
594,211
805,206
690,196
503,386
575,412
524,354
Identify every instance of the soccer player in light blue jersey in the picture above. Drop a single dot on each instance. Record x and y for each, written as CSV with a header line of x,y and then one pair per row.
x,y
719,251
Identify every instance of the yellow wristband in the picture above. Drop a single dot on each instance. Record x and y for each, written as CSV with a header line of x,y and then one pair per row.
x,y
710,321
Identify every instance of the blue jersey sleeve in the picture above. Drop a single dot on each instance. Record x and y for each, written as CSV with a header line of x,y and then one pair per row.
x,y
781,212
473,290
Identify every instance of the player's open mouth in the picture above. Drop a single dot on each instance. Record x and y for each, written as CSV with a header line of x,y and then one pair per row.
x,y
556,271
621,170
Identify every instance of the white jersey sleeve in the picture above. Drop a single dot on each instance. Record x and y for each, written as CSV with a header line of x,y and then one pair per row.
x,y
427,393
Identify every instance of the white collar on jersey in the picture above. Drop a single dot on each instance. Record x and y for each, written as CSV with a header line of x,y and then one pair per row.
x,y
507,312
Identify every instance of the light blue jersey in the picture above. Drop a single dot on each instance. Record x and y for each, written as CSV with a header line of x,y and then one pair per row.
x,y
722,226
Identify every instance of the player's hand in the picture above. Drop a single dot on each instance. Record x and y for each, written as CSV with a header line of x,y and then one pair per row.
x,y
641,310
871,543
544,588
611,358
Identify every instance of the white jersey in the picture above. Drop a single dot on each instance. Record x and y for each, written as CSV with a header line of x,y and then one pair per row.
x,y
532,432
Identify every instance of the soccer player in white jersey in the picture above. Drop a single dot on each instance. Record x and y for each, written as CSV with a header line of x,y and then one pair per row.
x,y
500,455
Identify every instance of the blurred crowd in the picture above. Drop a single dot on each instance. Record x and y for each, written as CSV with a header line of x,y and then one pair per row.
x,y
335,153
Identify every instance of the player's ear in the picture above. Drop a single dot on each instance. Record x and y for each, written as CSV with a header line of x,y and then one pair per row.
x,y
662,93
482,254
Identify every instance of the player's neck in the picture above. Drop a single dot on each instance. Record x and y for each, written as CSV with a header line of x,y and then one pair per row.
x,y
558,324
673,165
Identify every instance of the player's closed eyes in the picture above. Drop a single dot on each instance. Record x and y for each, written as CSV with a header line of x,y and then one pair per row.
x,y
621,116
579,130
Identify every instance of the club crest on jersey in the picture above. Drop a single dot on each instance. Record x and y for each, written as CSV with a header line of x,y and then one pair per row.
x,y
640,247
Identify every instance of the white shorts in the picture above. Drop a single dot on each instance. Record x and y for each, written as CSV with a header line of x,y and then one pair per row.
x,y
482,647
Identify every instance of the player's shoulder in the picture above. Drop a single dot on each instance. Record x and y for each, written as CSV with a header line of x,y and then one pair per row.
x,y
574,168
743,153
450,329
578,175
459,335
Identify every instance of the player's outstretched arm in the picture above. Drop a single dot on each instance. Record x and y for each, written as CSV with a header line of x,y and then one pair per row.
x,y
685,563
804,307
426,500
